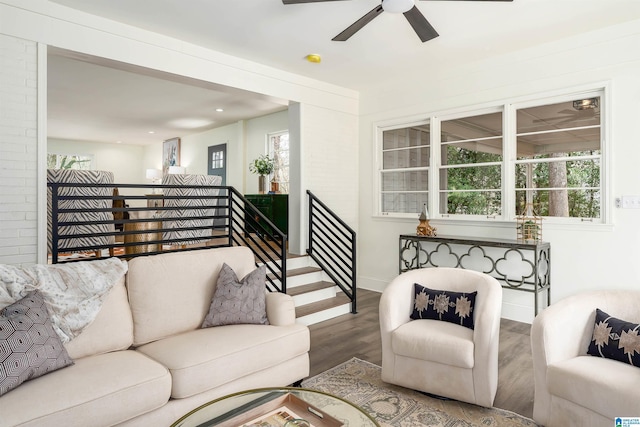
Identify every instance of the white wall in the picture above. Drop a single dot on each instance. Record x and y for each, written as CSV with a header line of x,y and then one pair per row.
x,y
328,152
245,141
583,256
18,150
124,160
194,149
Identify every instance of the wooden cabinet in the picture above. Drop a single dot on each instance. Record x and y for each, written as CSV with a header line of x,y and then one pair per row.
x,y
274,206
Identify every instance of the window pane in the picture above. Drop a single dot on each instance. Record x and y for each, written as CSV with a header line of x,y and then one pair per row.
x,y
404,202
471,178
405,181
574,188
563,115
573,203
279,151
408,158
573,141
469,152
471,128
414,136
563,173
471,202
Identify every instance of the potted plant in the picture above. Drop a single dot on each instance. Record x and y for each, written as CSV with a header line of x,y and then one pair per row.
x,y
262,166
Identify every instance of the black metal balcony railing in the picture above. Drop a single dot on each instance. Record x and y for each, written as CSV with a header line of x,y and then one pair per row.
x,y
208,221
332,245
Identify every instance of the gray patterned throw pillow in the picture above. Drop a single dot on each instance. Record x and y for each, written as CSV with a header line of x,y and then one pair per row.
x,y
238,301
29,347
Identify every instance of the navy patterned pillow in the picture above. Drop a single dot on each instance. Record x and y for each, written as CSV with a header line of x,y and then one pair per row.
x,y
448,306
238,301
29,347
615,339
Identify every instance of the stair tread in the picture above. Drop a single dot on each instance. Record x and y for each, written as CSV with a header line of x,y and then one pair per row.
x,y
299,271
309,287
307,309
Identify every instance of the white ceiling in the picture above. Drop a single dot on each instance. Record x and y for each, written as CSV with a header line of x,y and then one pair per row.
x,y
278,35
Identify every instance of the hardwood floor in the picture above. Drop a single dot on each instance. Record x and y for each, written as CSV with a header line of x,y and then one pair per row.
x,y
338,340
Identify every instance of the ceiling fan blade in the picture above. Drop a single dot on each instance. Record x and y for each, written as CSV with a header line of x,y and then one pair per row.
x,y
356,26
305,1
420,25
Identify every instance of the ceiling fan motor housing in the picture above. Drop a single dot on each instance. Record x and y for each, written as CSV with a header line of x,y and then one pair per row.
x,y
397,6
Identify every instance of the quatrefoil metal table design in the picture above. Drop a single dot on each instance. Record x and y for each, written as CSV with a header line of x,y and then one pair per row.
x,y
518,265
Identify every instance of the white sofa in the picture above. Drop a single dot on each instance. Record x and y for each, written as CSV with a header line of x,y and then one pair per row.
x,y
573,388
144,361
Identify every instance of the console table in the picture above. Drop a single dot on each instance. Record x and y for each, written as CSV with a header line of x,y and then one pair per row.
x,y
519,265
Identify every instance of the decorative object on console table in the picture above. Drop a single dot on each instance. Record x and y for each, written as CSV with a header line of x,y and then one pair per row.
x,y
262,166
275,186
274,206
424,229
529,225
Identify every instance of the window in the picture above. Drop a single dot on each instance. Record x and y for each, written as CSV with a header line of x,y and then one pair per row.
x,y
493,163
68,161
471,166
279,151
405,169
558,158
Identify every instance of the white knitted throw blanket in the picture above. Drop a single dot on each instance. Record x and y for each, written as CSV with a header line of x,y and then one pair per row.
x,y
73,292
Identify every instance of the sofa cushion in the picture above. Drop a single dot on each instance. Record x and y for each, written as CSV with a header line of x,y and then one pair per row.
x,y
111,330
605,386
29,346
171,293
448,306
238,301
97,391
615,339
439,342
204,359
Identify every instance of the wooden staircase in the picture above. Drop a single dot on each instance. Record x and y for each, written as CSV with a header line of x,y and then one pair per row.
x,y
316,297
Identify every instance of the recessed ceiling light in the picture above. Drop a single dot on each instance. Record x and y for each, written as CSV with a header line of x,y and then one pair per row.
x,y
313,57
118,142
151,131
219,110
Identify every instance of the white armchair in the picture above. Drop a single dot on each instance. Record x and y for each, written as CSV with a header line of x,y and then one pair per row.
x,y
87,207
438,357
573,388
194,202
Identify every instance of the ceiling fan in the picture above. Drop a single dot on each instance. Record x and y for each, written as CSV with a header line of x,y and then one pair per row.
x,y
420,25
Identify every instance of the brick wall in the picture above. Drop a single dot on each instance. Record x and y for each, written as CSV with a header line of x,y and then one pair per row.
x,y
18,151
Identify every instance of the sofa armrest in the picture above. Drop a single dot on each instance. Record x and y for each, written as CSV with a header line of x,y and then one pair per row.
x,y
281,310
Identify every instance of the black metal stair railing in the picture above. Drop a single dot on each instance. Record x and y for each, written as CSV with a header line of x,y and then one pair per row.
x,y
231,220
332,245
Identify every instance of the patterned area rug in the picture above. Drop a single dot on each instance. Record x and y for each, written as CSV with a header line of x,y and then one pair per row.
x,y
359,382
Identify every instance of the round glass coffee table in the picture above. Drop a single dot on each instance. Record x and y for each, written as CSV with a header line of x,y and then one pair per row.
x,y
266,407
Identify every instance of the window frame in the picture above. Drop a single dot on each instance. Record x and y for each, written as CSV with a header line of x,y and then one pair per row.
x,y
379,165
271,152
509,110
439,166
